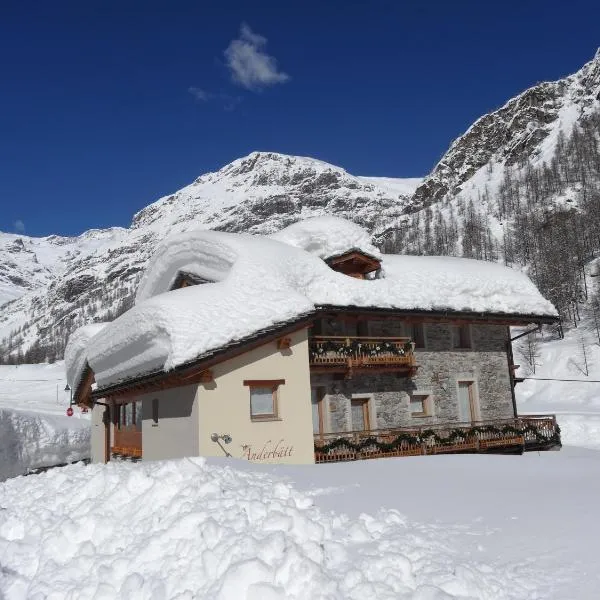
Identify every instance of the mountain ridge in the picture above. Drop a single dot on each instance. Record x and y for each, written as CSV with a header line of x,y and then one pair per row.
x,y
471,204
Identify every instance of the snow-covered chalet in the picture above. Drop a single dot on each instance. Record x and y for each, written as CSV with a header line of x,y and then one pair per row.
x,y
307,346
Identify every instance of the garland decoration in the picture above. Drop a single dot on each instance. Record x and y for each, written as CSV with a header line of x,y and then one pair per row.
x,y
429,435
356,347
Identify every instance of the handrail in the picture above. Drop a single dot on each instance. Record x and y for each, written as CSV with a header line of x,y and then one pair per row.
x,y
435,427
373,338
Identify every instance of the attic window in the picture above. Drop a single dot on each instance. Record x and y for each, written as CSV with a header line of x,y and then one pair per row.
x,y
185,279
354,263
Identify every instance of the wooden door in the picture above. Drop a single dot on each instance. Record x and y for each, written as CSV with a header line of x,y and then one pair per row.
x,y
360,414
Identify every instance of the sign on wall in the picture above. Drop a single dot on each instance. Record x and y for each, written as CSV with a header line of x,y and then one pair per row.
x,y
268,451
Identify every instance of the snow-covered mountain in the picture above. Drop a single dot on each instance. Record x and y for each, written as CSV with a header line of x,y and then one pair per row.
x,y
525,129
531,166
57,284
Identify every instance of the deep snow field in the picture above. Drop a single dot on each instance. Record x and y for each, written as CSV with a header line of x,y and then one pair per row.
x,y
425,528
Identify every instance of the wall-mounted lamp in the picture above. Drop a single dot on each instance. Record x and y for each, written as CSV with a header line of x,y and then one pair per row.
x,y
217,438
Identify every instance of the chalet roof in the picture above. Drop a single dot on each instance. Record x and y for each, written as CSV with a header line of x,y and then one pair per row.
x,y
262,281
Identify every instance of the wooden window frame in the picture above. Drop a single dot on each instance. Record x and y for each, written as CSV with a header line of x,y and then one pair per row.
x,y
155,409
366,402
425,404
265,383
320,390
465,340
473,397
421,337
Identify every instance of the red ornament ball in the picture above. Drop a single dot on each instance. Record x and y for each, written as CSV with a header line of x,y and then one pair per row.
x,y
69,412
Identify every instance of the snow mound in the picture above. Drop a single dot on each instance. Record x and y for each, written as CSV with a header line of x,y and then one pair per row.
x,y
76,352
260,282
327,236
34,429
193,529
31,441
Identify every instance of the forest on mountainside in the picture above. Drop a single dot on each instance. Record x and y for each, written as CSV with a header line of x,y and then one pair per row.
x,y
549,217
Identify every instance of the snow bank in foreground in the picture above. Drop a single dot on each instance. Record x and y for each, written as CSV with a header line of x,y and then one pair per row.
x,y
30,441
189,529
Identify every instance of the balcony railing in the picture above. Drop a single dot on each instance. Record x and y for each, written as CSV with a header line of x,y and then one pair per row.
x,y
344,352
500,436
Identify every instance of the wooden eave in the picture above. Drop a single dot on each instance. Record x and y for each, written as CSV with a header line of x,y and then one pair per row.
x,y
458,317
195,371
354,261
83,391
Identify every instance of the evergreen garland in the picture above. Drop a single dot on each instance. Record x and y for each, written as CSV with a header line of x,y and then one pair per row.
x,y
356,347
430,435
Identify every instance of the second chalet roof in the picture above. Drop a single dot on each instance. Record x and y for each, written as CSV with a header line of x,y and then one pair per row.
x,y
260,282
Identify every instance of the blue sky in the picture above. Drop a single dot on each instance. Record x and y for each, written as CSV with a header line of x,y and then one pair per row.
x,y
107,105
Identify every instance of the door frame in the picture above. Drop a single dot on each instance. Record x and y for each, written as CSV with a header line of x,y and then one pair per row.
x,y
370,418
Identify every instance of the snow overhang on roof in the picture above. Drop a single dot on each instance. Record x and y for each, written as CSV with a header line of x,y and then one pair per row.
x,y
76,353
262,281
328,237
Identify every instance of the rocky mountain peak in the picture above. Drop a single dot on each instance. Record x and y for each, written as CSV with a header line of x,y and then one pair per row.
x,y
526,128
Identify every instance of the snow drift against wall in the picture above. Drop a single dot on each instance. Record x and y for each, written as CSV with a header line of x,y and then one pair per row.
x,y
34,429
262,282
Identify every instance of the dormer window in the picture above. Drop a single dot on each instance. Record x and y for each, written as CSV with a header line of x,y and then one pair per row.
x,y
186,279
354,263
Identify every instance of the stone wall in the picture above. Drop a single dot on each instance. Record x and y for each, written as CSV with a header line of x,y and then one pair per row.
x,y
440,368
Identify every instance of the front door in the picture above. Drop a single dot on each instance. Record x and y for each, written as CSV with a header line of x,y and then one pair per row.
x,y
360,414
467,407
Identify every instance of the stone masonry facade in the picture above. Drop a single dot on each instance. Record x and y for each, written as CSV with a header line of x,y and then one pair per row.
x,y
441,367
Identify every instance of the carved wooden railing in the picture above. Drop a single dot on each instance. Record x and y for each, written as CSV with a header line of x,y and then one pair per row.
x,y
356,352
503,435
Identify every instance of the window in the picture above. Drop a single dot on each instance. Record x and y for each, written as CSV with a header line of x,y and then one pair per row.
x,y
418,335
359,411
318,414
264,399
155,410
461,336
420,405
468,405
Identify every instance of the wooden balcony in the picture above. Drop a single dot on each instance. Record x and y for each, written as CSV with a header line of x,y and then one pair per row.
x,y
507,436
346,354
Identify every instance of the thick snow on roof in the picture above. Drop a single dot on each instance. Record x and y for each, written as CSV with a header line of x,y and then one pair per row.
x,y
76,352
327,236
262,282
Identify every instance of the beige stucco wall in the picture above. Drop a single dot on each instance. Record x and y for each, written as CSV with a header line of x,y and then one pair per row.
x,y
224,406
97,435
176,433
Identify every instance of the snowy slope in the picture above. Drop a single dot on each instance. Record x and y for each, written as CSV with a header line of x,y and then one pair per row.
x,y
34,429
94,277
449,527
525,128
